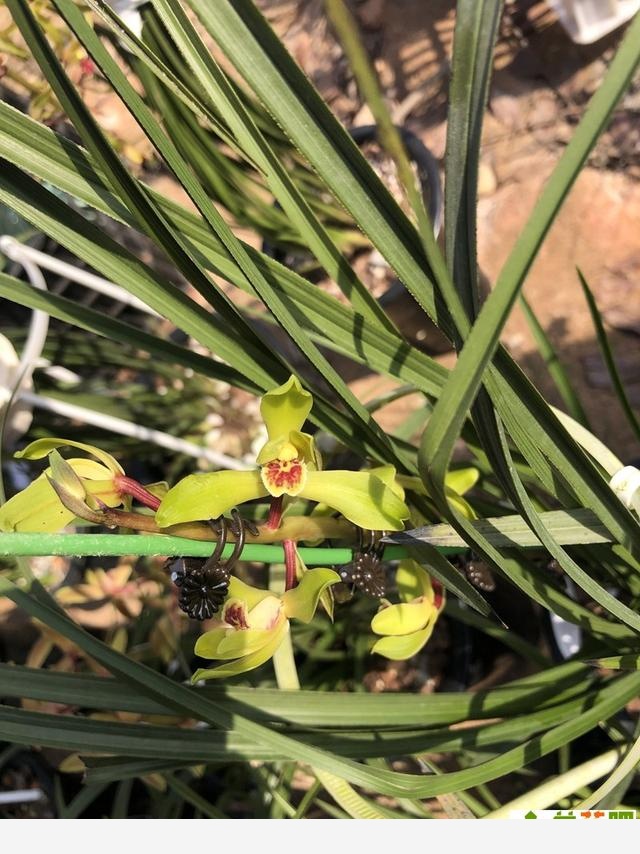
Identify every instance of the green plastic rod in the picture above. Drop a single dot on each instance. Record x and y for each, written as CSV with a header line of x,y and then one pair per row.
x,y
100,545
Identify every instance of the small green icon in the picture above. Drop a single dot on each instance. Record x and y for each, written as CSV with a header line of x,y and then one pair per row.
x,y
531,814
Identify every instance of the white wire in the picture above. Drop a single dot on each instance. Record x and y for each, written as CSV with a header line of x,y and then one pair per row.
x,y
21,796
32,259
23,254
39,325
136,431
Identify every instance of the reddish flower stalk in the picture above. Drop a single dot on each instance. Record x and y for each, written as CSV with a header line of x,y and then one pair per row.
x,y
290,564
438,593
275,514
129,486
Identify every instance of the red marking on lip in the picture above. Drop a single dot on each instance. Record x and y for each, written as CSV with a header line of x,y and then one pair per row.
x,y
285,475
235,615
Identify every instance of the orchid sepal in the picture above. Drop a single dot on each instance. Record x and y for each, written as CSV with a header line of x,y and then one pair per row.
x,y
406,627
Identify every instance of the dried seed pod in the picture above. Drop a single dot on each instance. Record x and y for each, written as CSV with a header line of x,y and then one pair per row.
x,y
203,588
366,573
204,583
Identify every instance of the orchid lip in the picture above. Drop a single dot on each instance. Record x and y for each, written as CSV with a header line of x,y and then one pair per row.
x,y
284,476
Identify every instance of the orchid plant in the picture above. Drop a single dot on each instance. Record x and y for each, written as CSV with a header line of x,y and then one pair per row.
x,y
252,623
240,127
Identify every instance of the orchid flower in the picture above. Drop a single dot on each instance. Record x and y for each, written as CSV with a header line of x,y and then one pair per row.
x,y
253,623
88,485
407,627
289,464
38,507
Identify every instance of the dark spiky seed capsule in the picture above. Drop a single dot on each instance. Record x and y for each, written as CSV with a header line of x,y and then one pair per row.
x,y
202,589
367,574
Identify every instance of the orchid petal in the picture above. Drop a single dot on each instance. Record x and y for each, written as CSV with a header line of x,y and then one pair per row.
x,y
37,508
42,447
63,473
247,662
159,489
307,449
285,408
302,601
245,593
102,492
462,480
235,614
271,450
284,477
399,648
413,581
402,619
360,496
266,613
207,496
459,503
88,469
291,446
245,642
387,474
208,643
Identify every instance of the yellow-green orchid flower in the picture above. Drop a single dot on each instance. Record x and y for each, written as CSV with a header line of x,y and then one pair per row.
x,y
38,507
456,483
73,488
253,623
289,465
408,626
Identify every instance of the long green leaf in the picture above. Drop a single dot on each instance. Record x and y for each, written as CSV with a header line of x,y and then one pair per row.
x,y
612,698
49,156
596,591
607,355
475,34
555,367
618,662
136,200
567,527
249,43
94,321
90,243
465,379
309,708
220,92
51,215
149,215
252,47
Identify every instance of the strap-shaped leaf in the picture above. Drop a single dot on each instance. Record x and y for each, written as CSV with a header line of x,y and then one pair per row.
x,y
310,708
475,34
610,699
465,380
51,215
252,47
220,92
149,214
94,321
